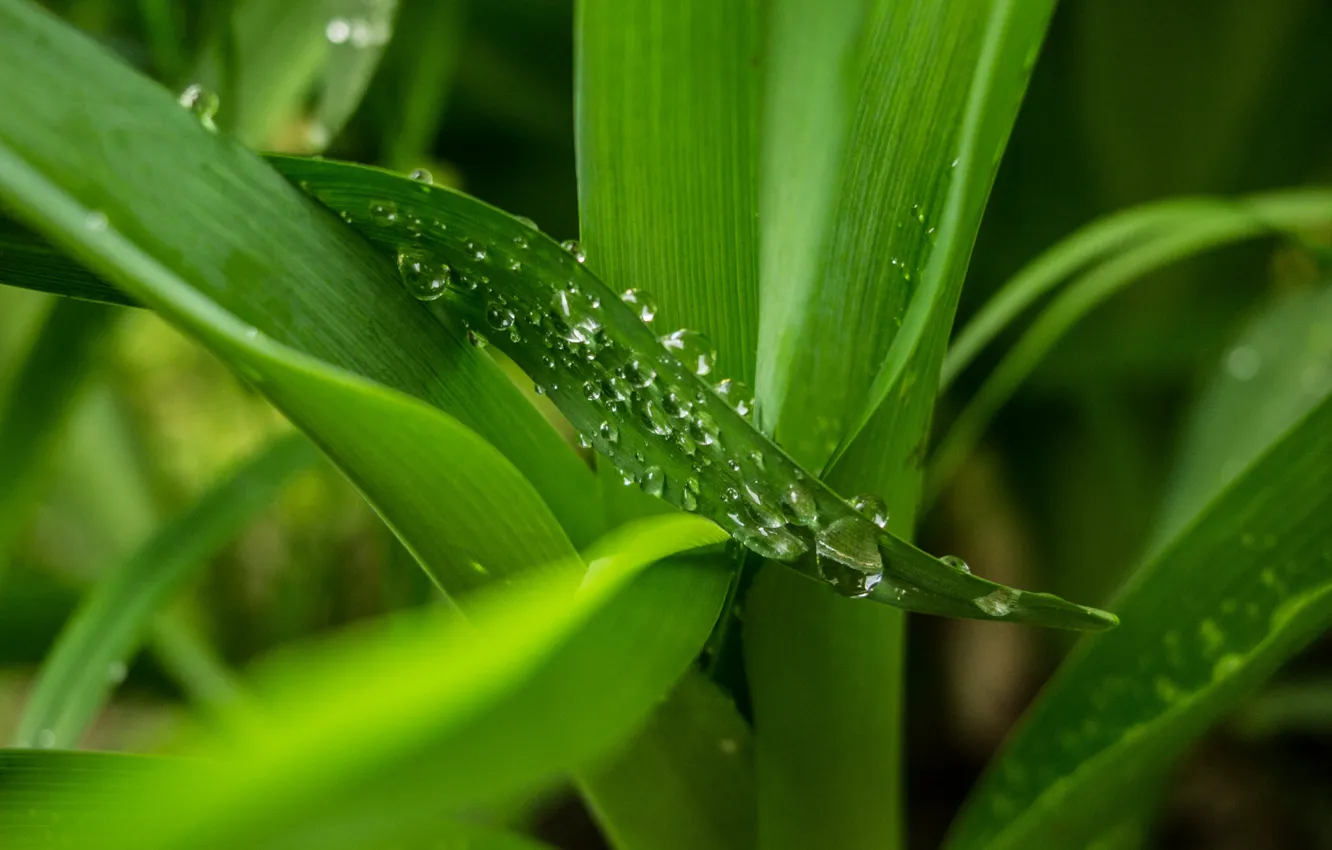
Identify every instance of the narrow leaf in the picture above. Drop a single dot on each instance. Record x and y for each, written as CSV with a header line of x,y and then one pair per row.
x,y
114,618
1243,586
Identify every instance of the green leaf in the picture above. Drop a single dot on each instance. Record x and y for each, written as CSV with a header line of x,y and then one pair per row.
x,y
418,73
1277,371
687,780
268,57
666,110
114,618
46,792
1188,228
280,291
1242,586
38,403
385,727
666,114
884,123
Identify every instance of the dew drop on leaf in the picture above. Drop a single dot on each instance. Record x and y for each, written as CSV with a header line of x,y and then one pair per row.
x,y
851,541
424,281
575,250
384,213
736,394
639,373
775,543
591,391
420,175
800,505
655,418
500,317
871,506
642,304
691,348
654,481
998,603
956,563
202,102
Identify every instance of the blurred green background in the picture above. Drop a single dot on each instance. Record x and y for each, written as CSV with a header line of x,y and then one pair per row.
x,y
1131,100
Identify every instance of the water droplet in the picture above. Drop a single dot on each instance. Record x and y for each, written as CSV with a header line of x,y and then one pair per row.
x,y
639,373
686,443
641,302
575,250
956,563
654,481
756,458
522,219
500,318
424,281
999,603
476,339
421,175
704,428
608,431
800,505
851,541
1243,362
477,250
384,213
338,31
656,419
616,388
847,580
45,739
95,221
116,672
871,506
775,543
736,394
591,391
691,348
202,102
674,405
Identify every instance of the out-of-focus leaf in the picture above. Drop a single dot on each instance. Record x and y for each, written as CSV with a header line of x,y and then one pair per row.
x,y
417,75
687,780
283,293
1278,370
883,126
45,794
101,638
388,727
269,56
1200,229
39,401
1242,586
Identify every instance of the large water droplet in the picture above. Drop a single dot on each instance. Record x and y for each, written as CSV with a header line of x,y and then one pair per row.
x,y
476,339
424,281
500,317
641,302
704,428
956,563
674,405
575,250
800,505
847,580
654,481
737,394
338,31
616,388
692,349
999,603
851,541
591,391
655,418
871,506
639,373
421,175
202,102
608,431
775,543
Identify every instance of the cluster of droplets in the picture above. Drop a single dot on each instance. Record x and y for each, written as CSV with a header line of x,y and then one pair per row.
x,y
642,404
370,26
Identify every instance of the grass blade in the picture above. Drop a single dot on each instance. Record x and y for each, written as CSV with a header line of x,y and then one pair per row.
x,y
666,108
39,401
275,285
1242,586
114,618
884,123
414,721
686,781
421,63
1201,227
